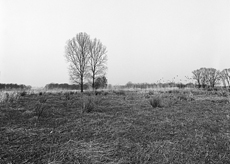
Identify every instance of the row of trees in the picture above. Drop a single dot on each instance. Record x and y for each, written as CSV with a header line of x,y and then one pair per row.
x,y
14,86
210,77
64,86
155,85
100,82
87,59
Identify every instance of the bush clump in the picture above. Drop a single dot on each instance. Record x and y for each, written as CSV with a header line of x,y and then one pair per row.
x,y
23,93
119,92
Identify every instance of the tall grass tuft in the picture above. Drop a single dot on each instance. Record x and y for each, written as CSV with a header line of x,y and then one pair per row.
x,y
88,104
156,102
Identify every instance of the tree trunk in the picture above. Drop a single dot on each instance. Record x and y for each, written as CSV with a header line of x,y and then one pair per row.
x,y
93,85
82,84
199,85
228,82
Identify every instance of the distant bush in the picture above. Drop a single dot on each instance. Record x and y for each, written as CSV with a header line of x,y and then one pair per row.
x,y
98,92
23,93
174,91
119,92
71,93
104,93
101,82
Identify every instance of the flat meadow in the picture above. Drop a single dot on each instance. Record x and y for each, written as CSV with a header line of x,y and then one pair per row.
x,y
115,127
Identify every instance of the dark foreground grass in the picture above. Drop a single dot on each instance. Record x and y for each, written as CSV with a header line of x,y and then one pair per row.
x,y
118,130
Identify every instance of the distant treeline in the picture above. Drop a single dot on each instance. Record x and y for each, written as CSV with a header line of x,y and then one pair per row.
x,y
65,86
14,86
160,85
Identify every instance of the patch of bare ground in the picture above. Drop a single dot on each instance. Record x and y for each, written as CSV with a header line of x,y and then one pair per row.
x,y
120,127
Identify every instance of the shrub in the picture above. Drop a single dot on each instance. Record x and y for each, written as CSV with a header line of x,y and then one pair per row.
x,y
106,93
23,93
156,102
174,91
71,93
101,93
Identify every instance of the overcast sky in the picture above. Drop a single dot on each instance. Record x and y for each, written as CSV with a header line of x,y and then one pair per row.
x,y
146,40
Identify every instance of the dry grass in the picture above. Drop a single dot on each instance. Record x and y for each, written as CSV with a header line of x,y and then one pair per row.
x,y
116,130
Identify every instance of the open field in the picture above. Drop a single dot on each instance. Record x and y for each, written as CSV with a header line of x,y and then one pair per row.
x,y
116,127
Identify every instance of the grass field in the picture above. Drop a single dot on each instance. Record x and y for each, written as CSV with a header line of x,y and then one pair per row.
x,y
116,127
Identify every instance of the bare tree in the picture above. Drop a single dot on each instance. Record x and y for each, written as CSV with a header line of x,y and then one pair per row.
x,y
222,78
77,54
197,75
98,59
204,77
226,76
213,76
201,77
